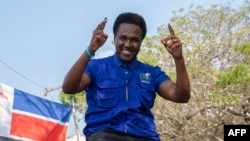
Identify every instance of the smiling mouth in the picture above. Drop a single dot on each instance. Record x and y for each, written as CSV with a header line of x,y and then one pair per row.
x,y
126,52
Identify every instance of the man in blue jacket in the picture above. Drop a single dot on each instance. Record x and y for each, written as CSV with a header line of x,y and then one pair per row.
x,y
120,90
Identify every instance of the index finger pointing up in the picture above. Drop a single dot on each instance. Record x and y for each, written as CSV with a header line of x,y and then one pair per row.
x,y
170,30
102,24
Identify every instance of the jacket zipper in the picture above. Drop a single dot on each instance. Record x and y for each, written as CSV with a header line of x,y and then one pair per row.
x,y
127,91
125,130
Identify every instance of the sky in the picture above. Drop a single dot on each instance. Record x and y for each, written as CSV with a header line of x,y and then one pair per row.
x,y
41,39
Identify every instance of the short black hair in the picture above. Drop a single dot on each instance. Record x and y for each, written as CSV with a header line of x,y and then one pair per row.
x,y
131,18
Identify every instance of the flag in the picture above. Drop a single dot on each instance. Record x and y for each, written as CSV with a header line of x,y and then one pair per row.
x,y
27,117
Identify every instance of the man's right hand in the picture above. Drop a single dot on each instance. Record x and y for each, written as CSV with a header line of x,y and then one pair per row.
x,y
98,38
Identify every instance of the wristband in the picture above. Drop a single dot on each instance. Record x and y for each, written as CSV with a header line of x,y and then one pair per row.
x,y
89,53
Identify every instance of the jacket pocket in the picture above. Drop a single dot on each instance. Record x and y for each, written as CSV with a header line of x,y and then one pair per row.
x,y
108,94
147,94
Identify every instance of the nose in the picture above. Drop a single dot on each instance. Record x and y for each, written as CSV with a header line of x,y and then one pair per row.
x,y
127,43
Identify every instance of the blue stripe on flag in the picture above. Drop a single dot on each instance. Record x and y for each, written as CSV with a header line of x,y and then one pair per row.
x,y
29,103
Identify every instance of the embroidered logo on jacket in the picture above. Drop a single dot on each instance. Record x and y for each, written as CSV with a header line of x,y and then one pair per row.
x,y
145,77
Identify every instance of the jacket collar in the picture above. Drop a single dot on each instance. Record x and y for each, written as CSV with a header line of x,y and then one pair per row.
x,y
119,63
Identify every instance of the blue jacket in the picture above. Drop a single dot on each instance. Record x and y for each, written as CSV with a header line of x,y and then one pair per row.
x,y
120,97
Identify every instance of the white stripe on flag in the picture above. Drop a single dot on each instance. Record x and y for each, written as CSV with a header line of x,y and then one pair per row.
x,y
6,104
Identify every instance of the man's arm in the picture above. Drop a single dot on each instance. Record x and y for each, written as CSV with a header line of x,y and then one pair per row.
x,y
76,80
179,91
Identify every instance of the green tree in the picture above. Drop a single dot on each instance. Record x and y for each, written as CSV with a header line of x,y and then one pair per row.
x,y
216,48
79,107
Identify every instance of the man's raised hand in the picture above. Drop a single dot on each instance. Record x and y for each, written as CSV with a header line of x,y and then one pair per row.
x,y
172,43
99,37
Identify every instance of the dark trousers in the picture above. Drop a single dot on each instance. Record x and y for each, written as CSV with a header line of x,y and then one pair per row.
x,y
108,135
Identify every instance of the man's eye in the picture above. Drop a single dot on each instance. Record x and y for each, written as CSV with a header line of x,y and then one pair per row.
x,y
122,38
135,41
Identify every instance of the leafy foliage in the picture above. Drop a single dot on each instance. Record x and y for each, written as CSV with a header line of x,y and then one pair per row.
x,y
230,99
238,75
216,50
79,106
76,100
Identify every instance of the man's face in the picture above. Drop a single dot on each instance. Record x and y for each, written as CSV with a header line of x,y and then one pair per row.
x,y
128,41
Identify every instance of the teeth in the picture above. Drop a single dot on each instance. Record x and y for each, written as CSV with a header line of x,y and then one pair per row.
x,y
126,52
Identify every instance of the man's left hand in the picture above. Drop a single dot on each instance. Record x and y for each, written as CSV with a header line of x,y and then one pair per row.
x,y
173,44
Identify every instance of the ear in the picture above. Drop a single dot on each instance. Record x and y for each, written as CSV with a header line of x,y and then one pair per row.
x,y
113,42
